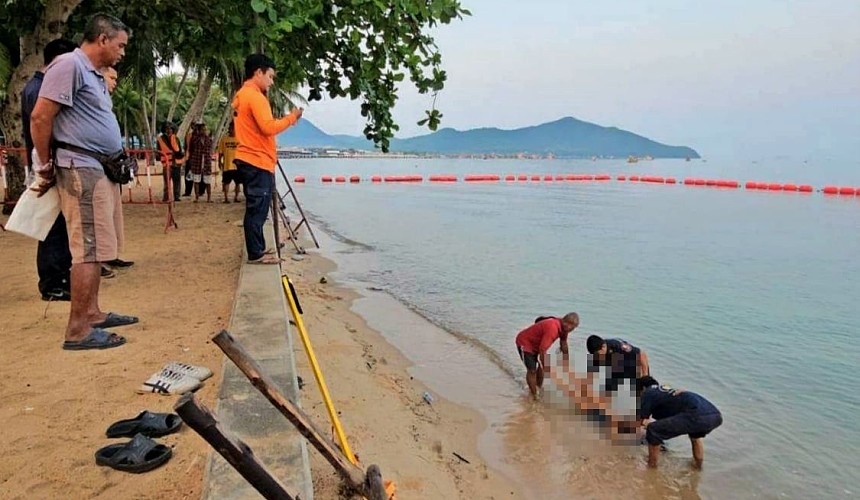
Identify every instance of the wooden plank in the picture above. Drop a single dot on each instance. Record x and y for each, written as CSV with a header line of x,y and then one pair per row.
x,y
234,350
237,453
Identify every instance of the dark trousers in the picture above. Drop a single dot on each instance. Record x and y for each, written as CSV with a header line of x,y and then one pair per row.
x,y
53,258
189,184
257,185
175,179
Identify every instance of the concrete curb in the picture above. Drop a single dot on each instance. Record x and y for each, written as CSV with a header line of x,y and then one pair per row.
x,y
260,322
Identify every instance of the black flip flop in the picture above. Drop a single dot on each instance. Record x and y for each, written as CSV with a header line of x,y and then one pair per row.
x,y
113,320
97,339
147,423
141,454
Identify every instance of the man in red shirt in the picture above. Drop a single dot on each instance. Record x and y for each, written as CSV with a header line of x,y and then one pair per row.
x,y
535,341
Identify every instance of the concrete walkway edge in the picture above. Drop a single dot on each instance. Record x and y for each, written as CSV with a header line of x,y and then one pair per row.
x,y
260,321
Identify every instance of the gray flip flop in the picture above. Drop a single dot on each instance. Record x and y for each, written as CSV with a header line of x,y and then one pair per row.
x,y
113,320
97,339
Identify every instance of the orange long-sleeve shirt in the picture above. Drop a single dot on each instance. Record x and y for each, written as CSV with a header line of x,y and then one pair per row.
x,y
256,128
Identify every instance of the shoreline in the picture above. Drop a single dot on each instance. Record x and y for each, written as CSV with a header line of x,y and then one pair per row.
x,y
353,354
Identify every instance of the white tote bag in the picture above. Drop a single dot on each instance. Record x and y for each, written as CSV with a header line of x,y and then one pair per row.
x,y
33,215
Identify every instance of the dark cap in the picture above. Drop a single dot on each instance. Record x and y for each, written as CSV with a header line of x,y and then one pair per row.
x,y
645,382
255,62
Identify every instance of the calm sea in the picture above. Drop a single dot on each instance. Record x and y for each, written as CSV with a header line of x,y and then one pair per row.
x,y
748,298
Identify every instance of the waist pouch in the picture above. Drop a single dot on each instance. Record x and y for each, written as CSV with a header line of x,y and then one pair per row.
x,y
119,168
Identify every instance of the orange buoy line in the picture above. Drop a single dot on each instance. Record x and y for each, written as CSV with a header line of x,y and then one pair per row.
x,y
648,179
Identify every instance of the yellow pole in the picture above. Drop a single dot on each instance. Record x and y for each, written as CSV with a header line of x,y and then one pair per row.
x,y
300,325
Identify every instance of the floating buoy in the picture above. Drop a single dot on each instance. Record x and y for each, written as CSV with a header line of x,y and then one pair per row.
x,y
510,178
559,177
634,178
728,184
535,178
847,191
547,178
830,190
671,180
443,178
621,178
340,178
326,178
689,181
403,178
376,178
710,182
751,185
355,178
699,182
522,177
789,187
481,178
774,187
601,177
805,188
299,178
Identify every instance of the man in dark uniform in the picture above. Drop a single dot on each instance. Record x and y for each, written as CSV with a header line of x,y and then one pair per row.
x,y
623,360
53,259
675,412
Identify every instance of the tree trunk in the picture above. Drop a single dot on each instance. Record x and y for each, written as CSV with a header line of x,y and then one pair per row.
x,y
176,96
51,25
198,104
224,122
144,114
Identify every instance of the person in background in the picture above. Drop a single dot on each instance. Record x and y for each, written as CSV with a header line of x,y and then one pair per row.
x,y
111,80
534,342
675,412
53,258
229,174
111,77
256,155
172,159
189,179
200,160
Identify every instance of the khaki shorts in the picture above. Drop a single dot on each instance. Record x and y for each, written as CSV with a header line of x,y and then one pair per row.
x,y
92,207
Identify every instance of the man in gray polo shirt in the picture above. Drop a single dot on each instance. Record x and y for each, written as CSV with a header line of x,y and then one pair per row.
x,y
74,108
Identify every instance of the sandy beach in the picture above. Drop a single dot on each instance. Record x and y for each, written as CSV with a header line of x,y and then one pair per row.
x,y
56,404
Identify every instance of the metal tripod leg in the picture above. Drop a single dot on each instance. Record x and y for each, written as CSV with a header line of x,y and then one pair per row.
x,y
304,220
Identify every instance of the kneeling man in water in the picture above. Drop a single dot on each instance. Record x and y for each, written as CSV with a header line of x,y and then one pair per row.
x,y
675,412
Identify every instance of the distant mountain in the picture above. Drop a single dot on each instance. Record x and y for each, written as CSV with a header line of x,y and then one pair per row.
x,y
567,137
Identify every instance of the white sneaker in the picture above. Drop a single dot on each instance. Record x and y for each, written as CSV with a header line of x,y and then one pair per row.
x,y
201,373
169,383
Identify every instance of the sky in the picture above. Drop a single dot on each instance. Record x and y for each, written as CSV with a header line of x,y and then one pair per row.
x,y
752,78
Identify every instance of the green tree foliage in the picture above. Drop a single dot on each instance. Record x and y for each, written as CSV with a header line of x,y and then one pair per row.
x,y
357,49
